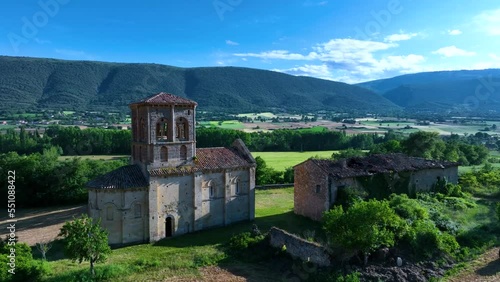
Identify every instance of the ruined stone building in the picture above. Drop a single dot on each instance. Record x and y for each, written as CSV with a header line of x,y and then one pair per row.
x,y
171,187
318,183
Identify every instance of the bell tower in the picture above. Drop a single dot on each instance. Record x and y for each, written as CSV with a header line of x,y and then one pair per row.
x,y
163,131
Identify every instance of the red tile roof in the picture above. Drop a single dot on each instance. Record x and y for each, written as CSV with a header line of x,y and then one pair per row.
x,y
129,176
208,159
167,99
381,163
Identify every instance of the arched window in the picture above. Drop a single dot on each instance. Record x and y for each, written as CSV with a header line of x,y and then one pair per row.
x,y
182,129
109,213
137,211
183,152
162,129
164,154
142,130
236,184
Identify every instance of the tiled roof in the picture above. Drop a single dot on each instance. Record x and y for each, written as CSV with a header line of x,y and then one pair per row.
x,y
167,99
208,159
358,166
129,176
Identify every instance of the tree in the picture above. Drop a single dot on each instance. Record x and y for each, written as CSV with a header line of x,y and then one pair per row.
x,y
348,153
85,240
425,145
365,226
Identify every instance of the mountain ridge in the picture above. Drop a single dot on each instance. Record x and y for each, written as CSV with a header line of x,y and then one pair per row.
x,y
64,84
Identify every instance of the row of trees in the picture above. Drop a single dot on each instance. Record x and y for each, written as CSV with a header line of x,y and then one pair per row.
x,y
99,141
42,179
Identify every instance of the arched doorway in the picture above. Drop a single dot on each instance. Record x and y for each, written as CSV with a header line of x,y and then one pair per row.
x,y
169,226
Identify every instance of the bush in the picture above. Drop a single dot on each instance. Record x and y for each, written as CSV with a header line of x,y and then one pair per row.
x,y
365,227
407,208
27,268
243,241
498,211
347,196
427,241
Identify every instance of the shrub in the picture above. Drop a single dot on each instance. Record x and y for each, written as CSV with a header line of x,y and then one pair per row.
x,y
498,211
366,226
243,240
27,268
347,196
407,208
427,241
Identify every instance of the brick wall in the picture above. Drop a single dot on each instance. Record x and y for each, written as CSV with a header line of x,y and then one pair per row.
x,y
308,201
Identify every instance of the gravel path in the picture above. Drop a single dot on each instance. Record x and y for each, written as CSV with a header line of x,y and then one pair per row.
x,y
485,269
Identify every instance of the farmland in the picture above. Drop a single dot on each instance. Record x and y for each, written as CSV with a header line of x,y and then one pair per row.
x,y
281,160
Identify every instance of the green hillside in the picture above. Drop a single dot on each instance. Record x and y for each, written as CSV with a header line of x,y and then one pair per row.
x,y
474,91
76,85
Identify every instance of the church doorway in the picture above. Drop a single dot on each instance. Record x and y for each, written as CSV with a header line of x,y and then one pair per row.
x,y
169,227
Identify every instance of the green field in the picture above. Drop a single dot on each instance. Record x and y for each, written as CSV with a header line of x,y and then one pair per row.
x,y
182,256
228,124
281,160
68,113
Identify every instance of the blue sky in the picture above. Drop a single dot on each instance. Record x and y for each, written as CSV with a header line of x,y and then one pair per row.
x,y
349,41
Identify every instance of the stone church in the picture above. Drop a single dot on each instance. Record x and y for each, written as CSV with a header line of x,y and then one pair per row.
x,y
171,187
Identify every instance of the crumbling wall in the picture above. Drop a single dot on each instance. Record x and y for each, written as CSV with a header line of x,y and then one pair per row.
x,y
298,247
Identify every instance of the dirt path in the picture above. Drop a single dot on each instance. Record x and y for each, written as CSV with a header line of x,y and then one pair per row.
x,y
37,225
485,268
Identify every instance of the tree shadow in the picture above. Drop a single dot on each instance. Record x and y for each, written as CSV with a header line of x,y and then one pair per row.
x,y
491,269
218,235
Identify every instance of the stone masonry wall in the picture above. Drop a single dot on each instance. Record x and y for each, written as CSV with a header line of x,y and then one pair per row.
x,y
298,247
307,201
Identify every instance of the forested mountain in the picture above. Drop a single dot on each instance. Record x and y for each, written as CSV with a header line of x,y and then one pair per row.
x,y
475,90
49,83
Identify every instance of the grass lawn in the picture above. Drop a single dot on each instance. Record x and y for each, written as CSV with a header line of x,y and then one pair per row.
x,y
462,169
281,160
182,256
227,124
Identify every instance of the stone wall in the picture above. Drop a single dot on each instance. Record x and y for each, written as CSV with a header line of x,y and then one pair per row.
x,y
298,247
310,194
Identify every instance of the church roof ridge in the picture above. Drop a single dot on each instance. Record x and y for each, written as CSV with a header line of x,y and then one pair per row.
x,y
166,99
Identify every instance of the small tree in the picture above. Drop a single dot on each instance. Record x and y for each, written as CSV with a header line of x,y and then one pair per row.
x,y
365,227
43,247
85,241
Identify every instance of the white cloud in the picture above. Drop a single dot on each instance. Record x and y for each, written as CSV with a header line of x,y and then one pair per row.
x,y
319,71
400,37
75,54
454,32
275,54
453,51
489,22
232,43
347,60
315,3
494,62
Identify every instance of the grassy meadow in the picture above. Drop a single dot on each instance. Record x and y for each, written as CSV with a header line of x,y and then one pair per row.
x,y
227,124
281,160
